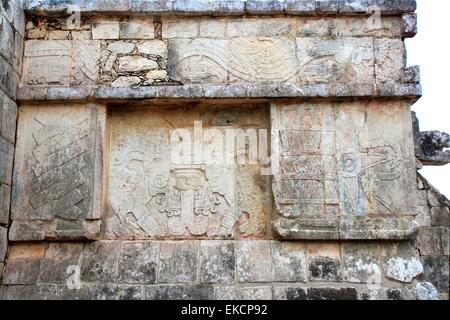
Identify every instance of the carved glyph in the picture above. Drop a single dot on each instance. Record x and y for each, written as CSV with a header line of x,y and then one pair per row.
x,y
58,164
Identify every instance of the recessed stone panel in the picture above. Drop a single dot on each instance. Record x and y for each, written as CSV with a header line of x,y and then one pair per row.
x,y
343,170
170,175
58,178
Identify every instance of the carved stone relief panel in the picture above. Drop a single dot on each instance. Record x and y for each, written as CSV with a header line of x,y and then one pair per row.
x,y
169,176
266,60
58,175
343,171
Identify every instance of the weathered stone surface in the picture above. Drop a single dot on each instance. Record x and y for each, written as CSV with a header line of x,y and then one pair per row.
x,y
6,39
361,263
76,63
426,291
217,262
60,262
179,292
436,271
109,29
9,79
401,262
332,294
103,291
3,243
137,29
153,47
24,262
324,262
254,263
100,262
317,171
8,119
243,293
138,262
136,64
6,161
146,191
429,241
289,293
5,195
445,239
178,262
58,172
30,292
289,262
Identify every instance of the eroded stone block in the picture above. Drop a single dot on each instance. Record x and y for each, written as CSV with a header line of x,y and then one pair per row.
x,y
59,172
138,262
243,293
100,262
61,63
361,263
401,262
289,262
179,292
332,294
254,261
5,196
24,262
60,262
327,186
3,243
178,262
289,293
324,262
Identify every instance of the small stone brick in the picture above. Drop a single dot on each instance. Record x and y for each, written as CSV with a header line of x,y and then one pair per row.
x,y
178,262
440,216
99,262
9,119
239,293
106,30
58,258
138,262
24,262
401,262
179,292
332,294
254,261
361,263
137,29
217,262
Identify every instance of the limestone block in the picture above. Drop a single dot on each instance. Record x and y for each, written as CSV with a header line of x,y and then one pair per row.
x,y
217,262
244,293
179,28
106,29
99,262
8,119
102,291
60,262
179,292
289,262
5,195
9,79
178,262
254,261
154,48
126,81
6,39
361,263
390,60
257,27
81,35
148,197
138,262
213,28
24,263
429,241
61,63
58,35
137,29
6,161
3,243
18,53
401,262
327,186
324,262
7,10
59,172
136,64
151,5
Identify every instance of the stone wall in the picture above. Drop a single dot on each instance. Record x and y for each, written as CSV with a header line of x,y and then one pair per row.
x,y
105,206
12,33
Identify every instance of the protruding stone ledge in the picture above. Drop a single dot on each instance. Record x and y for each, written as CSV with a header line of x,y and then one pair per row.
x,y
406,91
224,7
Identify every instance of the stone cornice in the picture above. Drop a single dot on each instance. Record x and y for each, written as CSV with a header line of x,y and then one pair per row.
x,y
235,92
223,7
